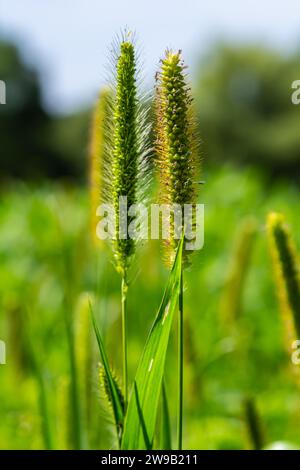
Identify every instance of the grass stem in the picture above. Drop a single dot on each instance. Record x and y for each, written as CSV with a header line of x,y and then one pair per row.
x,y
180,362
124,288
75,425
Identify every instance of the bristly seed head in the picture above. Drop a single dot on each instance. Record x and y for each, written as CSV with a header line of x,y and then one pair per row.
x,y
125,145
105,389
176,144
286,266
104,386
129,148
97,154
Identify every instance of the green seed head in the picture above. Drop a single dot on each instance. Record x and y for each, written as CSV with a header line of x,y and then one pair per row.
x,y
286,267
125,146
104,387
128,150
98,155
176,141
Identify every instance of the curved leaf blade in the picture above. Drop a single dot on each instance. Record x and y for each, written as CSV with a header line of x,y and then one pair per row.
x,y
166,435
115,398
142,408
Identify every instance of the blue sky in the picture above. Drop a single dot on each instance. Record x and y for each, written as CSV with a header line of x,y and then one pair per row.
x,y
69,39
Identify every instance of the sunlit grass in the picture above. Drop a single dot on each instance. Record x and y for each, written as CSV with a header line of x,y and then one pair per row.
x,y
37,224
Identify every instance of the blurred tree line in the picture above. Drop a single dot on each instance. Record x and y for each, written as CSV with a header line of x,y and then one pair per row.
x,y
35,144
243,105
245,111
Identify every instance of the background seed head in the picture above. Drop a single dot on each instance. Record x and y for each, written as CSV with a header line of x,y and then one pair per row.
x,y
176,142
98,154
286,267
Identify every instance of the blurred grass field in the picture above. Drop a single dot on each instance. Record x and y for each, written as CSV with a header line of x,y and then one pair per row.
x,y
48,262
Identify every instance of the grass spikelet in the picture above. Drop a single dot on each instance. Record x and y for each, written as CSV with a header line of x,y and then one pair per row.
x,y
104,388
97,153
286,268
176,144
130,147
125,146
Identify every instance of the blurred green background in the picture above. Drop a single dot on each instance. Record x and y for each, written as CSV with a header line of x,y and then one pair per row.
x,y
235,339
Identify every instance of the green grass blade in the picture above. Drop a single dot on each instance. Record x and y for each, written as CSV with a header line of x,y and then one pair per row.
x,y
254,424
75,425
142,408
42,391
114,393
166,437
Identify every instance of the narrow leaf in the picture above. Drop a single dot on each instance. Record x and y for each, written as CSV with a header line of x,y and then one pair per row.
x,y
115,397
40,380
166,438
142,408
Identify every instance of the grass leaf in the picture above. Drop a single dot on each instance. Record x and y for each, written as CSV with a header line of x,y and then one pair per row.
x,y
166,437
114,393
142,408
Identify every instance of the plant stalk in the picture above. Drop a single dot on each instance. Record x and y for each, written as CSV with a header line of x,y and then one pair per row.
x,y
180,362
124,288
74,396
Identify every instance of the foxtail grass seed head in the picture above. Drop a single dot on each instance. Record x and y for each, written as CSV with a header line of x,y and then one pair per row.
x,y
106,393
176,143
286,268
97,154
125,145
129,149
